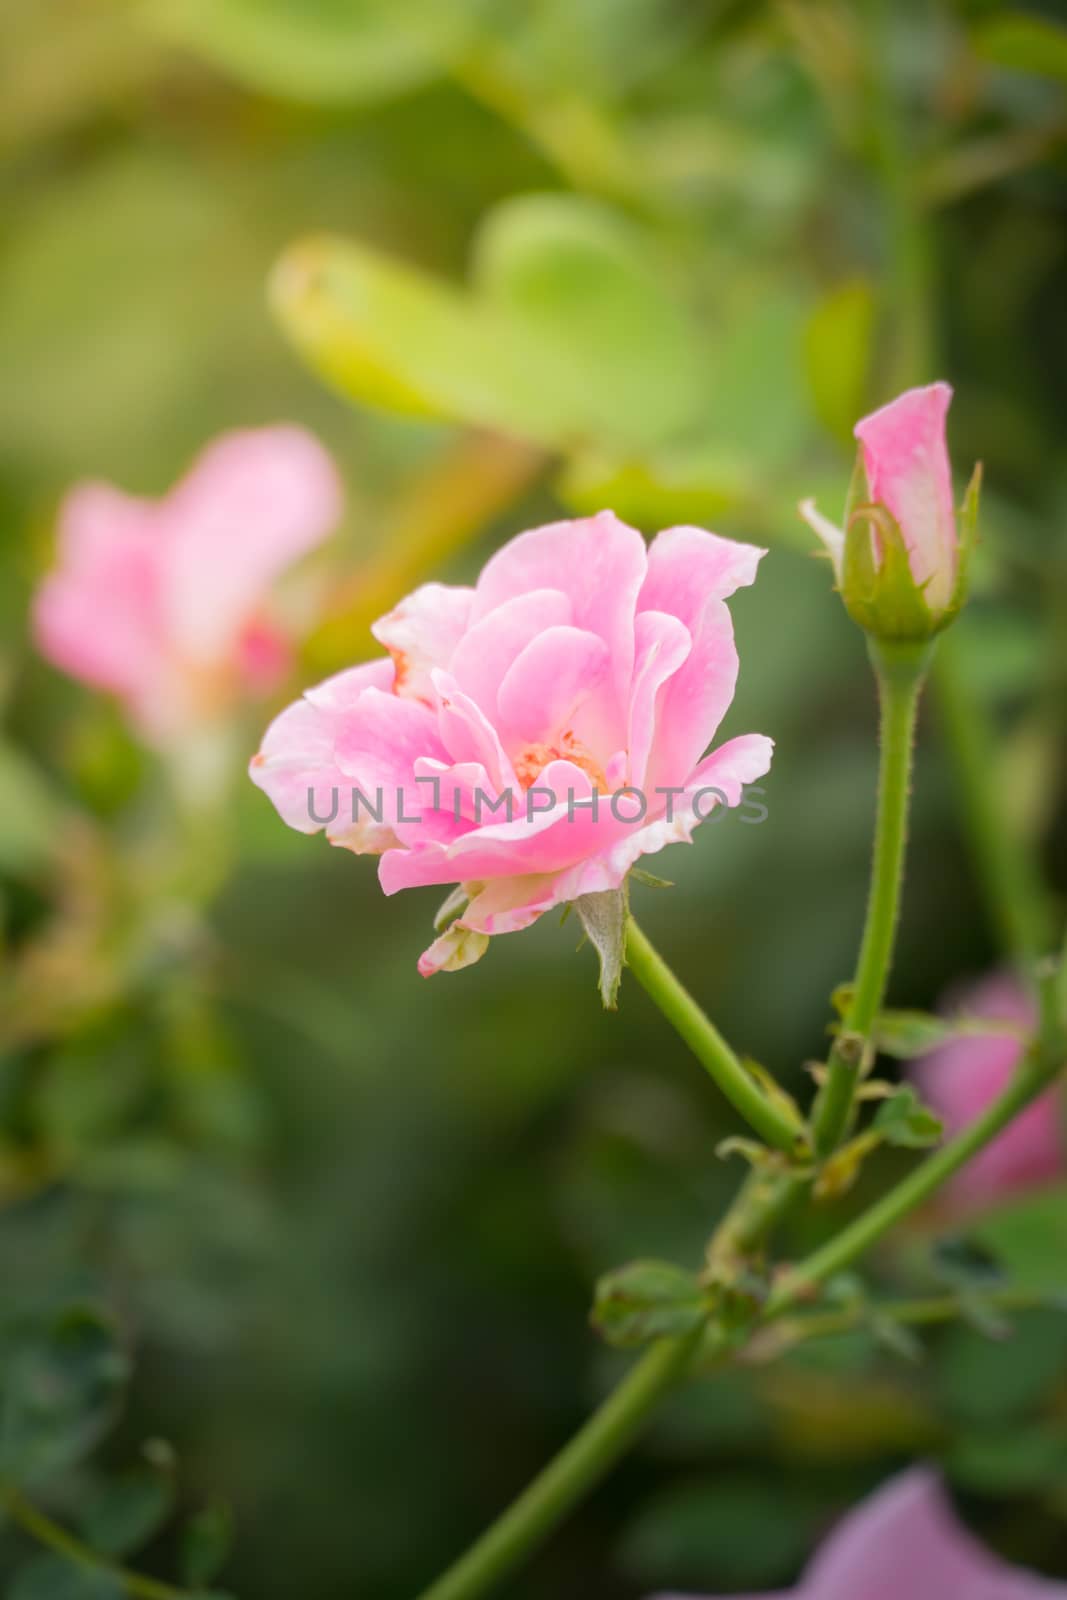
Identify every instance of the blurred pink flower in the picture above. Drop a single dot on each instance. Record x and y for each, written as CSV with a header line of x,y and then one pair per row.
x,y
906,463
904,1543
162,602
961,1078
581,664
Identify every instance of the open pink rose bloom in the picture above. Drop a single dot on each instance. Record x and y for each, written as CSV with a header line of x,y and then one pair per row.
x,y
906,463
961,1078
905,1543
492,748
163,602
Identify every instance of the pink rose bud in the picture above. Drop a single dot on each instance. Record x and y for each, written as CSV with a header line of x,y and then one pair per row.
x,y
905,1543
530,738
900,561
163,602
961,1078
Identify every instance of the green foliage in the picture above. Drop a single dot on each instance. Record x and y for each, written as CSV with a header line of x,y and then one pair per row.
x,y
206,1545
317,50
566,334
49,1577
646,1300
337,1206
904,1120
62,1382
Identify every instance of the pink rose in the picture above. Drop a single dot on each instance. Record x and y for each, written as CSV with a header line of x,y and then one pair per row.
x,y
961,1079
904,1543
905,460
576,687
163,602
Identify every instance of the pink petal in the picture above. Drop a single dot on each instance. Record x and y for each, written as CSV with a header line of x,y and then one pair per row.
x,y
299,754
548,683
422,632
687,566
484,654
467,733
961,1079
252,503
663,644
688,572
908,471
905,1541
377,745
598,562
98,615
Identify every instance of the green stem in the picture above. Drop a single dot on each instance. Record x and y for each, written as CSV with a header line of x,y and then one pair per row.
x,y
801,1281
909,1313
579,1465
50,1534
900,670
771,1120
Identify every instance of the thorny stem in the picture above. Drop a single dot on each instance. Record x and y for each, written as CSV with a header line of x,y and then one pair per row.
x,y
900,671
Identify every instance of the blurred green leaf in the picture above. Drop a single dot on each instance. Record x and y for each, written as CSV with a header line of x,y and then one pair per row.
x,y
1017,1460
566,334
126,1510
51,1577
61,1387
579,278
1024,42
987,1380
904,1120
727,1532
317,50
206,1544
646,1300
907,1035
31,815
1027,1237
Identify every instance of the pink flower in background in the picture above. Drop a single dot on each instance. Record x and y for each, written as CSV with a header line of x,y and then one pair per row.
x,y
905,1543
961,1078
906,463
163,602
581,664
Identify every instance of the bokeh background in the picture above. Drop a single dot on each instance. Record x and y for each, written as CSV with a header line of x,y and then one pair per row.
x,y
346,1222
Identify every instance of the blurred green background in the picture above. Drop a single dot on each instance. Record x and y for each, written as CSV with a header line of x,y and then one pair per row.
x,y
646,253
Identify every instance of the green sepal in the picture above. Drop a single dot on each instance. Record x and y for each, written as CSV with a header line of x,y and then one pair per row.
x,y
603,916
648,1300
881,595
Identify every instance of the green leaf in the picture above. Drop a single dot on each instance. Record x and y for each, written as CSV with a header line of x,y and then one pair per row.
x,y
127,1510
647,1300
317,50
906,1035
1025,43
31,816
603,916
904,1120
206,1544
60,1393
52,1577
967,1263
394,337
1004,1461
1026,1237
580,279
566,335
